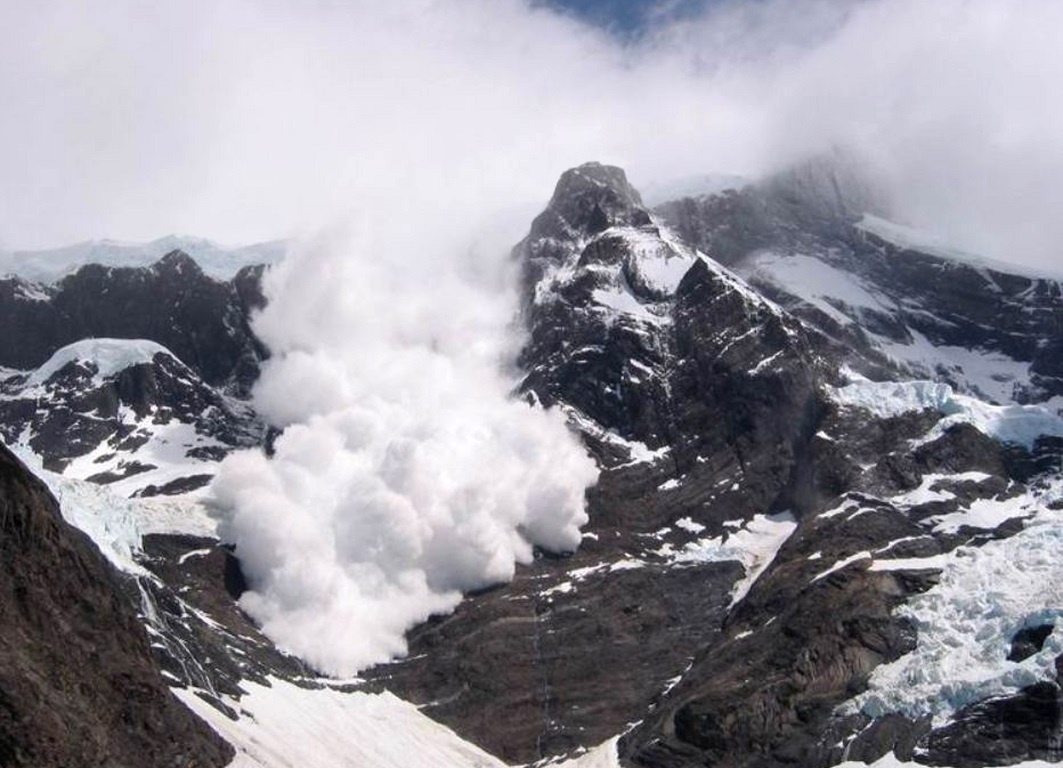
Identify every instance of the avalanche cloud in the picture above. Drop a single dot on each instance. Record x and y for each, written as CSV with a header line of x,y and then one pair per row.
x,y
407,472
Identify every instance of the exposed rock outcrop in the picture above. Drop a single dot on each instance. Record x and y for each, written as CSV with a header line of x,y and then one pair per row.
x,y
78,686
204,321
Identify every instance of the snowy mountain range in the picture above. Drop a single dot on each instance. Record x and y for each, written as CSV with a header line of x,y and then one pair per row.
x,y
51,265
826,531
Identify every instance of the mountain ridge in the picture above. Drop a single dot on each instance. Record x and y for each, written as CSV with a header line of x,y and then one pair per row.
x,y
782,516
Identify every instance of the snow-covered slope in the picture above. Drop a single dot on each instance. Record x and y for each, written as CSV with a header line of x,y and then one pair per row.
x,y
108,519
107,357
281,725
912,239
220,262
126,413
965,623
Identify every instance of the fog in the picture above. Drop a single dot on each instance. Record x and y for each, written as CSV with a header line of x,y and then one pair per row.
x,y
245,121
405,146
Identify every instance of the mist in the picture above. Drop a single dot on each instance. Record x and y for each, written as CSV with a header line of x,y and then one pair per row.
x,y
405,146
246,121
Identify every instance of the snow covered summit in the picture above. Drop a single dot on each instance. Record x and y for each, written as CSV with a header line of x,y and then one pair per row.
x,y
220,262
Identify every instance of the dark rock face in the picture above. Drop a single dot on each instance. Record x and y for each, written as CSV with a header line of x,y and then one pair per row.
x,y
1026,726
708,409
201,639
205,322
765,699
905,297
575,648
1028,641
77,682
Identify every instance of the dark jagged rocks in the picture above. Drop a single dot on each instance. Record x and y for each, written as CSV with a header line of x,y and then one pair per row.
x,y
203,321
77,683
708,408
153,403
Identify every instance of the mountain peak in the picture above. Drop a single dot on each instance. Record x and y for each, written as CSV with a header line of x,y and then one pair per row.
x,y
178,261
591,198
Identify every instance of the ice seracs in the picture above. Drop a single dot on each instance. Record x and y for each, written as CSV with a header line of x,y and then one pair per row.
x,y
965,624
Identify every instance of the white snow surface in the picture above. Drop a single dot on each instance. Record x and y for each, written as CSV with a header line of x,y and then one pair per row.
x,y
185,514
110,356
754,545
817,282
910,238
285,726
991,375
965,623
218,261
1019,424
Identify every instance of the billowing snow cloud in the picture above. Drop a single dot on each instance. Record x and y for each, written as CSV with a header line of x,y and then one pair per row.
x,y
407,473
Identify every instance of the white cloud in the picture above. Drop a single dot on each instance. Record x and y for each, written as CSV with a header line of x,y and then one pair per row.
x,y
407,473
247,120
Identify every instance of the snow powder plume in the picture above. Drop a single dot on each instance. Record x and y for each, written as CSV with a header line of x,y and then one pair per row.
x,y
407,472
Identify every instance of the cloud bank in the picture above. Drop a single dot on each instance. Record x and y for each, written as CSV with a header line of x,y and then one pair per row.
x,y
251,120
436,129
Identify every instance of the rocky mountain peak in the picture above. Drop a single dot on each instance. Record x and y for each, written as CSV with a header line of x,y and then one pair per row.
x,y
178,262
589,199
125,412
203,321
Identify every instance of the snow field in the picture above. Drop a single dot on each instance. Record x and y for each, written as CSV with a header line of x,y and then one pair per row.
x,y
285,726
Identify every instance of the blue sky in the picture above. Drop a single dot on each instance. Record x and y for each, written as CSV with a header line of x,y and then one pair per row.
x,y
626,17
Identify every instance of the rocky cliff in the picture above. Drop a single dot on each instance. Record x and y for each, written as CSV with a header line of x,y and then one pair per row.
x,y
78,686
764,511
204,321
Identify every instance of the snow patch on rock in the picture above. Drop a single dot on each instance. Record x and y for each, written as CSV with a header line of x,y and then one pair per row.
x,y
109,356
754,545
